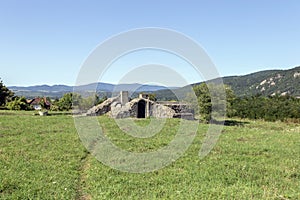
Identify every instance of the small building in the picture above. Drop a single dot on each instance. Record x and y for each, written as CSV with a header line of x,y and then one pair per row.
x,y
36,103
141,107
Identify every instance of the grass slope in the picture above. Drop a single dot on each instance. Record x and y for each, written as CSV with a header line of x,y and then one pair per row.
x,y
43,158
257,161
40,157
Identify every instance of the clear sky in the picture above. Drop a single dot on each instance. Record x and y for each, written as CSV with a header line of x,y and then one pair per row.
x,y
46,42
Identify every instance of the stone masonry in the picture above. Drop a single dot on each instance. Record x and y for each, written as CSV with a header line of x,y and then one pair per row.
x,y
141,107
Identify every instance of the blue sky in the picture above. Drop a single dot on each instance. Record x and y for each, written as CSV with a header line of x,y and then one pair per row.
x,y
46,42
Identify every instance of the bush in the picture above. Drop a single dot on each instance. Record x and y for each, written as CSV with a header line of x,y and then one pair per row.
x,y
19,103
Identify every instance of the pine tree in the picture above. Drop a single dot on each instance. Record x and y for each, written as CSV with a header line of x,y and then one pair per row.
x,y
5,94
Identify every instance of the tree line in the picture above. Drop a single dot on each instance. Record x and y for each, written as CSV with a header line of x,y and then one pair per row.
x,y
67,102
271,108
209,103
76,101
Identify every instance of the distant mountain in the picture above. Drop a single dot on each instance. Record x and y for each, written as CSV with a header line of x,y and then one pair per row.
x,y
270,82
43,88
56,91
139,87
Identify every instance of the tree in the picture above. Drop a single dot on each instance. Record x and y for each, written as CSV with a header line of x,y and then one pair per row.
x,y
204,101
19,103
90,101
69,101
5,94
217,98
192,102
230,98
65,103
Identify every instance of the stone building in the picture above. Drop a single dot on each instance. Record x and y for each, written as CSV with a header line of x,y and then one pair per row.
x,y
141,107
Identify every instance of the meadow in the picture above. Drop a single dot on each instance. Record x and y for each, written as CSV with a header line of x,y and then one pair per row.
x,y
42,157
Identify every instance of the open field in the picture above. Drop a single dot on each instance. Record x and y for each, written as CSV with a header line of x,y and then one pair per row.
x,y
43,158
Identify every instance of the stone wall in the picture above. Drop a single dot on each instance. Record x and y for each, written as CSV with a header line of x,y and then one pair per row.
x,y
179,107
134,106
102,108
114,107
161,111
120,111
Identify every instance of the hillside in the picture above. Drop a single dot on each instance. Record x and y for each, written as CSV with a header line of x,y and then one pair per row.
x,y
266,83
271,82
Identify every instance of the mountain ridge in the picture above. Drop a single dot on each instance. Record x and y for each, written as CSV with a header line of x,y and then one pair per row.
x,y
266,82
56,91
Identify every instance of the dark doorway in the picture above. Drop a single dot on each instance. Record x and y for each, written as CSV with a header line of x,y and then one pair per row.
x,y
141,108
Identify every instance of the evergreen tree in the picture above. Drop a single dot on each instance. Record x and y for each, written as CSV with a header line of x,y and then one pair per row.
x,y
5,94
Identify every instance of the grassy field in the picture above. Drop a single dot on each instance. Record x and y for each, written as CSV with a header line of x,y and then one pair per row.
x,y
43,158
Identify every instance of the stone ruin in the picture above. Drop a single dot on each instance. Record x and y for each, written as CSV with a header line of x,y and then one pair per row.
x,y
141,107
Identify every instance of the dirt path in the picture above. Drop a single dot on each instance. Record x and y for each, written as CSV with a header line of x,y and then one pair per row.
x,y
85,165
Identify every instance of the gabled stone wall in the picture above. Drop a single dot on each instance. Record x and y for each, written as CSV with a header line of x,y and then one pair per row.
x,y
114,107
102,108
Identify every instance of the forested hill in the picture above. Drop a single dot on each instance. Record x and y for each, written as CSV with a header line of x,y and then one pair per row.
x,y
267,83
271,82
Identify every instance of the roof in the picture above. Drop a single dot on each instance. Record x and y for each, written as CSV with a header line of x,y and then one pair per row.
x,y
37,100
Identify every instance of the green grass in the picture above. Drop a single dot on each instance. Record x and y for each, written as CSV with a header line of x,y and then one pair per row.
x,y
40,157
43,158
